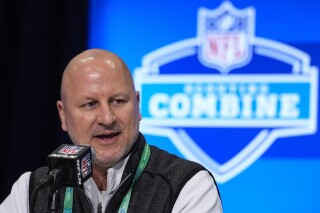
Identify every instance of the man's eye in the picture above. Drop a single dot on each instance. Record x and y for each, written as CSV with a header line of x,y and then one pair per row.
x,y
118,102
89,105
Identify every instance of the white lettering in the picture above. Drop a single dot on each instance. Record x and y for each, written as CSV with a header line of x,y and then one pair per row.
x,y
288,106
158,105
204,105
229,106
266,106
180,105
246,106
79,171
235,101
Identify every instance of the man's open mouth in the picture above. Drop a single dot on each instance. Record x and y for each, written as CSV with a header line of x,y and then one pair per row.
x,y
108,136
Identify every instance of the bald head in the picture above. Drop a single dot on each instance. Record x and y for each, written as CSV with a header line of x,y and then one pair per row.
x,y
91,60
99,105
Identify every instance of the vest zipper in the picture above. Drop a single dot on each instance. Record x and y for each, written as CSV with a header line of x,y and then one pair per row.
x,y
99,208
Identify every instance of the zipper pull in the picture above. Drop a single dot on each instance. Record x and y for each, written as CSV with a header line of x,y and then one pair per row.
x,y
99,208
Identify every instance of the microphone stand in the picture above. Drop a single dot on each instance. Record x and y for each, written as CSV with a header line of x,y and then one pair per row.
x,y
53,201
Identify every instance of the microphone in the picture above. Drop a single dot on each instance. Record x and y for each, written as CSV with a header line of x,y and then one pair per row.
x,y
72,163
69,165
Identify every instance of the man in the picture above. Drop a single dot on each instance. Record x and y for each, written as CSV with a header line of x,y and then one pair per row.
x,y
100,107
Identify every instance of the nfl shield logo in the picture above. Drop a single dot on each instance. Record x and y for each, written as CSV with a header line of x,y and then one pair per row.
x,y
226,120
86,166
225,36
70,150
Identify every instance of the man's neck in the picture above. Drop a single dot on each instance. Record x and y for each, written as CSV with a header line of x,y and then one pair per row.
x,y
100,178
100,174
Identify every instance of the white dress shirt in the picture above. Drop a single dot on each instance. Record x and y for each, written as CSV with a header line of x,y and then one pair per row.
x,y
198,195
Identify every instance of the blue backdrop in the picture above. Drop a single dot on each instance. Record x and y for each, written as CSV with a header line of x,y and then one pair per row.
x,y
267,162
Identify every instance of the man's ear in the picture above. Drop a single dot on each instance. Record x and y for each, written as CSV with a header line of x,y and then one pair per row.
x,y
61,115
138,103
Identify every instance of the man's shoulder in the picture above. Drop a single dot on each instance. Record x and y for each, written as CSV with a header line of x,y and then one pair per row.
x,y
165,161
39,171
36,175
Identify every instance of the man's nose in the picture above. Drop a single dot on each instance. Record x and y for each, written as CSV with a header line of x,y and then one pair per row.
x,y
106,115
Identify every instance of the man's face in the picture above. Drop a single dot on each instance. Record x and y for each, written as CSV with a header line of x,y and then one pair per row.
x,y
100,108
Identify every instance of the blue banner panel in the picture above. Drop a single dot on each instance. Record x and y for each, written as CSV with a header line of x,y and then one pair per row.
x,y
231,84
